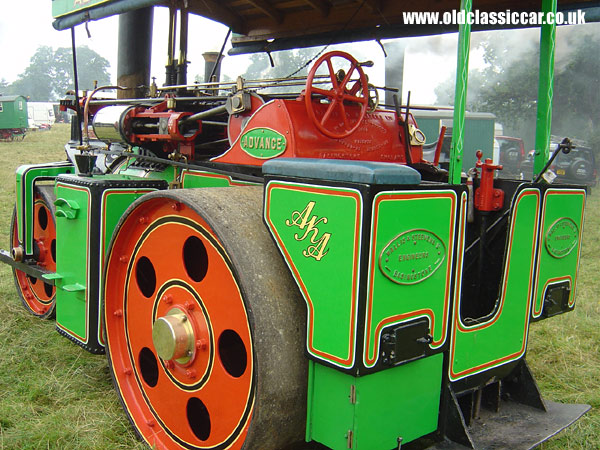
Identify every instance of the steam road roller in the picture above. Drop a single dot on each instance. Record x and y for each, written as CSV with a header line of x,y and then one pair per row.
x,y
275,269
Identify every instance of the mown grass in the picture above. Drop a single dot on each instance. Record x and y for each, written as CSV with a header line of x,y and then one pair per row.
x,y
564,352
55,395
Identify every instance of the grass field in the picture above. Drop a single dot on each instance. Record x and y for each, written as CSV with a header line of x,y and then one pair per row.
x,y
55,395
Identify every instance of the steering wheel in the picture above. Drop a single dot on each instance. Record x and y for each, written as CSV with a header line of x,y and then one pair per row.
x,y
330,124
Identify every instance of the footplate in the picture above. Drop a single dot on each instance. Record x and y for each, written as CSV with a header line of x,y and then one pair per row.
x,y
497,430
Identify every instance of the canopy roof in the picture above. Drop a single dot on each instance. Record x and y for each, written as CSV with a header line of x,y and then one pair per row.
x,y
11,98
261,25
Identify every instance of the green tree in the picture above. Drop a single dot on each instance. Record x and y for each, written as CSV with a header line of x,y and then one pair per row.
x,y
576,111
508,88
36,81
50,73
285,63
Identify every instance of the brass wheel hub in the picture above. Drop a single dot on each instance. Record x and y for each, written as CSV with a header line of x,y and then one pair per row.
x,y
173,337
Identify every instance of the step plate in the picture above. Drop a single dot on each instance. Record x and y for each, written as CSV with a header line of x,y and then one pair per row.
x,y
517,427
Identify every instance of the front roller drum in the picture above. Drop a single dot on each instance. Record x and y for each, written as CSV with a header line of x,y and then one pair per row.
x,y
39,298
204,324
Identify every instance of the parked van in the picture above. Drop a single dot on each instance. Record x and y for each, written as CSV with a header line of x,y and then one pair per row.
x,y
41,115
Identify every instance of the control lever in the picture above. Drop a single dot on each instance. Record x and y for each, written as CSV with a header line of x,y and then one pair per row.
x,y
565,146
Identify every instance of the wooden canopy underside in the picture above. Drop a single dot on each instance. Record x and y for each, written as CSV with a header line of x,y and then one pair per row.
x,y
279,24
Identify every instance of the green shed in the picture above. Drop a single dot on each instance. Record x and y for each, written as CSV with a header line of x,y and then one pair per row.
x,y
13,116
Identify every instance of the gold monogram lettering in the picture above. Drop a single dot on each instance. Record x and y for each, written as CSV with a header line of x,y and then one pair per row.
x,y
308,223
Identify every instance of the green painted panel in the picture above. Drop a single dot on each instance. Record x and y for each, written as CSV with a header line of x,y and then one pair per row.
x,y
410,263
114,204
198,179
331,414
72,244
318,230
502,338
562,214
26,177
63,7
401,402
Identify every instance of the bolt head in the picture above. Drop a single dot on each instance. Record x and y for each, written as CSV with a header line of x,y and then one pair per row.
x,y
118,313
123,259
189,306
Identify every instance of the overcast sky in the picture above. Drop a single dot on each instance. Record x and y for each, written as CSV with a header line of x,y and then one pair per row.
x,y
26,25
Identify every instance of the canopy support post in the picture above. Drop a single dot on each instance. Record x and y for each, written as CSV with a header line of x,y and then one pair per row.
x,y
460,96
545,89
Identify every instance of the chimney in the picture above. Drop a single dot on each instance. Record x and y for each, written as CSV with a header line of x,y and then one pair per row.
x,y
212,66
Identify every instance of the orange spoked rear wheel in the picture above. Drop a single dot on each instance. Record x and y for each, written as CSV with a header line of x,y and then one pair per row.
x,y
181,331
37,296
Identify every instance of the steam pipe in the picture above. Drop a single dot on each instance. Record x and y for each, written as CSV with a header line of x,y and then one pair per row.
x,y
76,82
86,109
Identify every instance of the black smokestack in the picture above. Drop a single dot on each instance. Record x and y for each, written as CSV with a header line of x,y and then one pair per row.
x,y
212,65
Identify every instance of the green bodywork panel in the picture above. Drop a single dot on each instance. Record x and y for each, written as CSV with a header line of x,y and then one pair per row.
x,y
402,402
75,235
189,178
198,179
26,177
318,230
502,337
72,212
559,242
410,264
63,7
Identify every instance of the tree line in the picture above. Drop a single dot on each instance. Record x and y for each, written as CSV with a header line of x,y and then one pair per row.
x,y
508,87
49,74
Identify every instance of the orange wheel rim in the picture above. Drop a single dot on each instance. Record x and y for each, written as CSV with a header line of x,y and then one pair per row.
x,y
38,296
162,264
